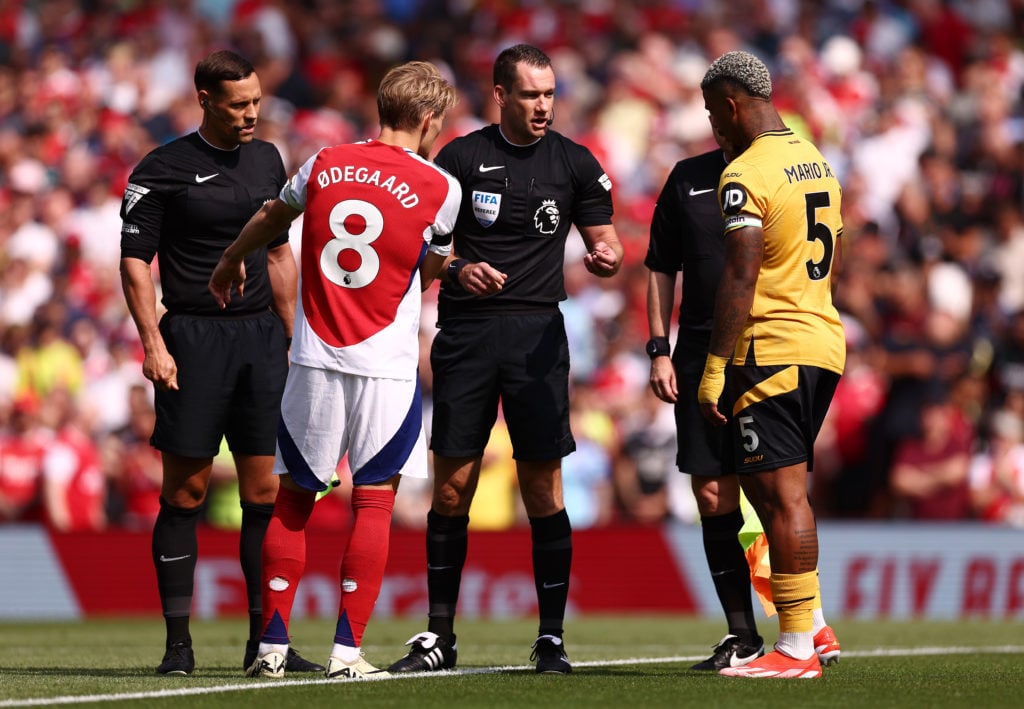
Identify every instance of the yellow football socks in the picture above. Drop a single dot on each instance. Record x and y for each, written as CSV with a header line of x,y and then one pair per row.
x,y
795,597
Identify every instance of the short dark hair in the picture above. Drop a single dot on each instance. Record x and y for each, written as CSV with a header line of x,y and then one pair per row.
x,y
505,64
223,65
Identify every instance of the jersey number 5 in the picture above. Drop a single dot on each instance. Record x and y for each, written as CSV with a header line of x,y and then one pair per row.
x,y
816,231
748,434
344,220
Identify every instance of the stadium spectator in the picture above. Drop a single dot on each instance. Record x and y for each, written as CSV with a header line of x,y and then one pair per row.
x,y
587,486
74,486
87,90
929,477
842,451
996,476
1009,356
22,446
645,461
133,466
49,362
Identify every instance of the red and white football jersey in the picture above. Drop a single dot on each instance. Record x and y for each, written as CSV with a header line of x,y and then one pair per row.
x,y
21,473
371,212
72,464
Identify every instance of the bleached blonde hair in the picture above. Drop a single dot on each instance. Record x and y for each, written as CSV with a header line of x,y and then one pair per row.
x,y
743,69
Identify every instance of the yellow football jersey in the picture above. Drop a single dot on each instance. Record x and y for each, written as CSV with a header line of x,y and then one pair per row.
x,y
783,185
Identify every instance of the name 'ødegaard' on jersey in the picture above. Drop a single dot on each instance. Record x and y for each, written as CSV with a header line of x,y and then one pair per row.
x,y
783,185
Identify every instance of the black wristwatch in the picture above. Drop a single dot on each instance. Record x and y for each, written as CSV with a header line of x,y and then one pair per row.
x,y
658,347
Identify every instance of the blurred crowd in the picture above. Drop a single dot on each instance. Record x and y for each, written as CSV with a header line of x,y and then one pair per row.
x,y
917,104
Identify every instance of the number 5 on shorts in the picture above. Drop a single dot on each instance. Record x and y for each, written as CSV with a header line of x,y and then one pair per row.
x,y
748,434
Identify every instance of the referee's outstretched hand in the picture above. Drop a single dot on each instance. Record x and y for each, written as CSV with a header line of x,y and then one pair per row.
x,y
225,276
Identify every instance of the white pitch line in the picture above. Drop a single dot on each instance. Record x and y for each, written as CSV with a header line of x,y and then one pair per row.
x,y
260,685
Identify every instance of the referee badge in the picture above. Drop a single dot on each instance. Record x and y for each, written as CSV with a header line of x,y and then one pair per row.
x,y
486,206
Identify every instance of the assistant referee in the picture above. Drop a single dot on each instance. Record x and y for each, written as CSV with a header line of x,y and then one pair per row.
x,y
215,373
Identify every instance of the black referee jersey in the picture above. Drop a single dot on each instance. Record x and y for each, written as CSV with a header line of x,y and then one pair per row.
x,y
686,233
518,203
187,201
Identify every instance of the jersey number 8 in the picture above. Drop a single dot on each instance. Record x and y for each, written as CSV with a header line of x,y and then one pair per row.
x,y
345,215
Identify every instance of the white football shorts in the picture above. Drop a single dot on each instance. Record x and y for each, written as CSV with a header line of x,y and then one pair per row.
x,y
325,414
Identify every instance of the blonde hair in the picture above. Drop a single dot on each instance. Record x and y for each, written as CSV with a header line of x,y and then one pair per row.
x,y
744,70
410,91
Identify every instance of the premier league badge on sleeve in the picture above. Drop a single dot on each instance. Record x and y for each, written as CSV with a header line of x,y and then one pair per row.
x,y
486,206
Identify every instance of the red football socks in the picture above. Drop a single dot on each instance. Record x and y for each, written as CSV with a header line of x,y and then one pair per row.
x,y
362,568
284,560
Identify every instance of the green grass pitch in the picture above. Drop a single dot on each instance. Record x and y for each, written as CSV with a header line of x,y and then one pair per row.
x,y
623,661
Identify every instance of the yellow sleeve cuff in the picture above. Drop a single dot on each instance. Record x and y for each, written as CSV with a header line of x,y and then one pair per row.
x,y
713,380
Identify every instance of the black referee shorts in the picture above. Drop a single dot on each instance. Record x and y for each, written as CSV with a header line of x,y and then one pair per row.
x,y
777,414
231,374
521,360
700,446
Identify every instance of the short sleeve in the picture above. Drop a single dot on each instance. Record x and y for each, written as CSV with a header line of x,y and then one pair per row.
x,y
663,251
742,196
142,211
294,191
594,191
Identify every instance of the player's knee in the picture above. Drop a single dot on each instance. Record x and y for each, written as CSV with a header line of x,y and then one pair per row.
x,y
541,502
708,500
451,501
716,496
187,496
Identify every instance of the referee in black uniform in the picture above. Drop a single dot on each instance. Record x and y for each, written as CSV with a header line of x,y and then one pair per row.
x,y
502,338
687,235
217,373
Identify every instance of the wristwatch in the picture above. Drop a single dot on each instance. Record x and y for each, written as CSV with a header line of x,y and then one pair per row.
x,y
658,347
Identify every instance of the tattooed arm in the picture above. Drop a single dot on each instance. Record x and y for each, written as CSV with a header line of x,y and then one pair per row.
x,y
743,252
